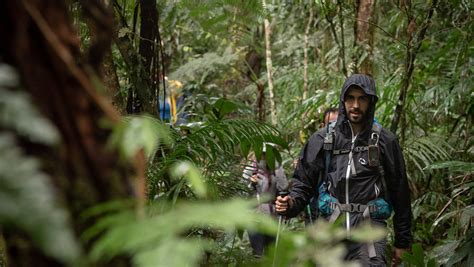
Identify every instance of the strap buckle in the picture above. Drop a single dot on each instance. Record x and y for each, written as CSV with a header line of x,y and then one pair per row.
x,y
352,207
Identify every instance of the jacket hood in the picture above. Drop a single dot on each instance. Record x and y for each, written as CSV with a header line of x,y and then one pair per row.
x,y
367,84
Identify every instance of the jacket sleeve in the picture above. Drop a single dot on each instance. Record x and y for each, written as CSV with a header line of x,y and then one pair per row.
x,y
280,179
398,191
305,177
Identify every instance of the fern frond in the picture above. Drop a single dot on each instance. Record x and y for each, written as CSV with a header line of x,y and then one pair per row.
x,y
19,114
27,198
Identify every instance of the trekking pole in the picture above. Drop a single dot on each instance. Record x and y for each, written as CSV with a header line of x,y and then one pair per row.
x,y
280,219
254,186
308,208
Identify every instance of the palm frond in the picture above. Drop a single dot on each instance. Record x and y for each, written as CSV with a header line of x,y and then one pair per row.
x,y
216,147
423,151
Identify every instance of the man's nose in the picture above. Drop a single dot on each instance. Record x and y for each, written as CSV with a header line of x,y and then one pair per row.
x,y
356,103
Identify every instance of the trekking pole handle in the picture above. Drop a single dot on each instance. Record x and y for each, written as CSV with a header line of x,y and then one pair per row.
x,y
283,193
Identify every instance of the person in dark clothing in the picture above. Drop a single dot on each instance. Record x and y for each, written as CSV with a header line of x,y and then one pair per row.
x,y
365,175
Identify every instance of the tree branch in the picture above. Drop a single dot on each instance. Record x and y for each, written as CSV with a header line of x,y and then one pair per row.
x,y
409,65
380,28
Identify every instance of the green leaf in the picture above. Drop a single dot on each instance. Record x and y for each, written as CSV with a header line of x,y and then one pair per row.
x,y
244,148
443,252
462,251
454,166
416,257
270,156
225,107
443,217
257,149
135,133
467,213
432,263
123,32
129,233
368,232
192,174
171,252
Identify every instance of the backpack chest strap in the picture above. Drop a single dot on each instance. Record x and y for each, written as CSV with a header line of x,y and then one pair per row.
x,y
345,151
353,207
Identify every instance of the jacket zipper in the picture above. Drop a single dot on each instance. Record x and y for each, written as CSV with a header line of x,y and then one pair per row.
x,y
348,172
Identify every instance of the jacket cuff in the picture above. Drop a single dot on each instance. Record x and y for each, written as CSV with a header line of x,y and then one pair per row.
x,y
402,244
291,211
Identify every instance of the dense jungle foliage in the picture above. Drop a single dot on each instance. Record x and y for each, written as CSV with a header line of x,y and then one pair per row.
x,y
125,125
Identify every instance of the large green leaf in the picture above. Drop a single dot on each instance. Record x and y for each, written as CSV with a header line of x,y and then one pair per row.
x,y
129,234
171,252
135,133
416,257
454,166
225,107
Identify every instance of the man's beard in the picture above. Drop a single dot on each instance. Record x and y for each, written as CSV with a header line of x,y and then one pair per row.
x,y
361,116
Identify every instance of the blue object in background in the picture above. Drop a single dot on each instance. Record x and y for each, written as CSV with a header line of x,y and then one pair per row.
x,y
166,115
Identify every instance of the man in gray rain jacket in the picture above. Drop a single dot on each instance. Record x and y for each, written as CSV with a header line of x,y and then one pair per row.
x,y
359,171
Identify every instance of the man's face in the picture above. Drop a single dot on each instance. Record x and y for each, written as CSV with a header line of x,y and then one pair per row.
x,y
356,103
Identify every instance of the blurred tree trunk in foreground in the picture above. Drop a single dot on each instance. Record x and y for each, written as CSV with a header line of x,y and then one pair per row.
x,y
39,40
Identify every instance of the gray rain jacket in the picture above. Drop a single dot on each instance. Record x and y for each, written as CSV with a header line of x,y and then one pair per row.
x,y
363,179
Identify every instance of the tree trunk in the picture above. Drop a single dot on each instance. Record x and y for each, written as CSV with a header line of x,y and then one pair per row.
x,y
363,36
254,63
343,45
107,69
3,251
139,93
39,40
268,56
340,43
305,59
148,49
111,83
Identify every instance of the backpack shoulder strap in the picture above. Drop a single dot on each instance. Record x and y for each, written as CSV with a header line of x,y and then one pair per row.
x,y
374,142
375,133
328,147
